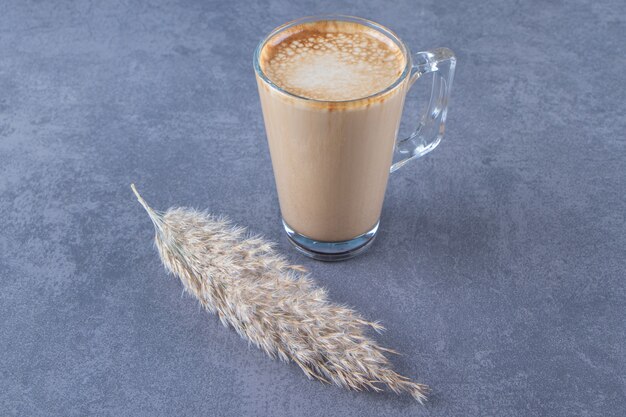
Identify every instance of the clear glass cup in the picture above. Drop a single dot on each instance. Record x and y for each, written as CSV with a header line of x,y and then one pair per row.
x,y
332,159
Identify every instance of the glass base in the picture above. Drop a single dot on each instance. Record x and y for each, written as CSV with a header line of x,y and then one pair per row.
x,y
331,251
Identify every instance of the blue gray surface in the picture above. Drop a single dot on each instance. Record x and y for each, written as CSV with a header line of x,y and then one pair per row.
x,y
500,266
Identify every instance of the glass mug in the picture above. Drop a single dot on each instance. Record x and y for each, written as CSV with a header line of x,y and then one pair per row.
x,y
331,159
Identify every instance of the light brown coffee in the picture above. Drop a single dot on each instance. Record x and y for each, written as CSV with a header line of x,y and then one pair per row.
x,y
331,136
332,60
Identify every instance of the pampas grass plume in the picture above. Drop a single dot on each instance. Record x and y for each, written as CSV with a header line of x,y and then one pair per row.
x,y
271,303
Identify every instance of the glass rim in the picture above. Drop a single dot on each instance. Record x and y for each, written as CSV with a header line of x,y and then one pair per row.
x,y
344,18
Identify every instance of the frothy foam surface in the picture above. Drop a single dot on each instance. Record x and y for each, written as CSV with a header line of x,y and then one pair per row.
x,y
332,60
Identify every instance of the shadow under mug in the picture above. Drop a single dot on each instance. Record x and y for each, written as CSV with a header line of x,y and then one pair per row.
x,y
332,159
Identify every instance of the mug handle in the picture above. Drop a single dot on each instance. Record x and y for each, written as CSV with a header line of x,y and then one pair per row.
x,y
430,130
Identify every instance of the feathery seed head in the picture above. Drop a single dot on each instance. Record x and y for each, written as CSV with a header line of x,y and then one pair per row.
x,y
271,303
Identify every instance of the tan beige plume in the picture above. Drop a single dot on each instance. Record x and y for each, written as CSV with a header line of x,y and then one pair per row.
x,y
273,304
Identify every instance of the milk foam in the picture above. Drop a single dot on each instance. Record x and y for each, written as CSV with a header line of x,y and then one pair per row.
x,y
333,63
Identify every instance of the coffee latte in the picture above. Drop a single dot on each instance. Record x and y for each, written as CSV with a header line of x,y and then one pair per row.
x,y
331,123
